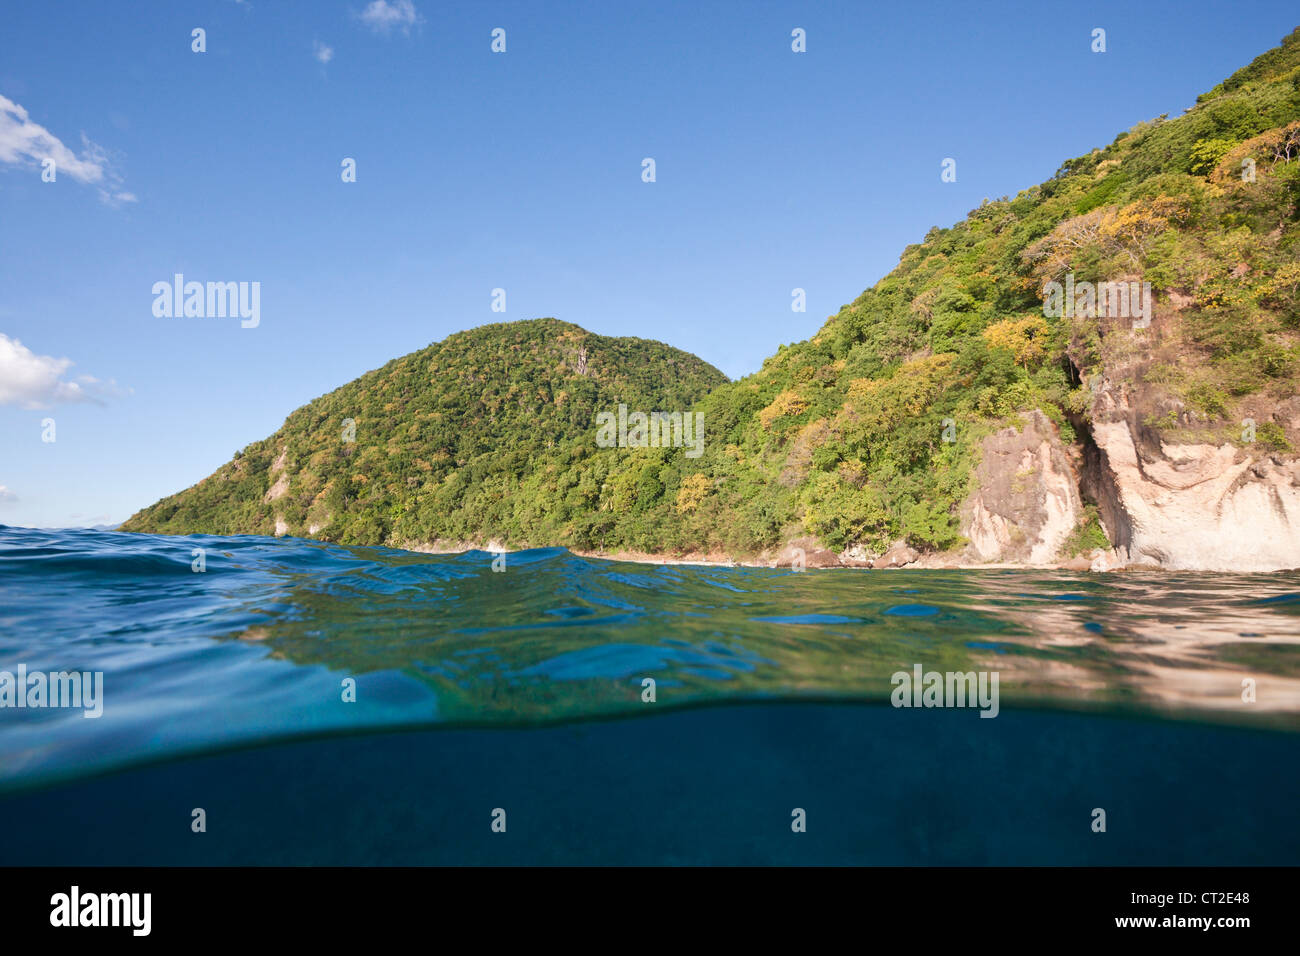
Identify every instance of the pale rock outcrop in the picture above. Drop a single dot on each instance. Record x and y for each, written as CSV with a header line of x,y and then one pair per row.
x,y
899,555
1026,502
857,556
1187,507
805,553
1200,507
281,486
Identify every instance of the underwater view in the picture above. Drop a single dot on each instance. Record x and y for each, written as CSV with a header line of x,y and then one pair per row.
x,y
354,705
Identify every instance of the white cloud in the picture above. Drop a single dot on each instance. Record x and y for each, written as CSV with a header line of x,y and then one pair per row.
x,y
383,16
29,380
322,52
23,142
6,495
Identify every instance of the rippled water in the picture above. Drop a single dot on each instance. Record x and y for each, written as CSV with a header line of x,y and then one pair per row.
x,y
257,646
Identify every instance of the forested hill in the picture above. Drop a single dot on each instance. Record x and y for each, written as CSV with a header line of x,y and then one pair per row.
x,y
843,436
437,442
869,432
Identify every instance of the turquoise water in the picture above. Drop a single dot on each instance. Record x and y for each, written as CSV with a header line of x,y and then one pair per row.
x,y
236,676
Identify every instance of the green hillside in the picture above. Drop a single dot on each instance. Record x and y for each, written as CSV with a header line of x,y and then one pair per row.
x,y
438,443
868,432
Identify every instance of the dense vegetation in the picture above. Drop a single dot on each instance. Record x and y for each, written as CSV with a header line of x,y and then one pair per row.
x,y
867,433
472,436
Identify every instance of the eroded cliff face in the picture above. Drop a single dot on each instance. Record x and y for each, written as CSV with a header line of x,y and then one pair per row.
x,y
1027,501
1194,507
1186,507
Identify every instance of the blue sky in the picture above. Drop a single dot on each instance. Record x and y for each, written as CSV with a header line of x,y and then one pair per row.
x,y
479,170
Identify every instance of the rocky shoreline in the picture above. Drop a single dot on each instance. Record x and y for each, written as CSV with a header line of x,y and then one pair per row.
x,y
792,556
1161,506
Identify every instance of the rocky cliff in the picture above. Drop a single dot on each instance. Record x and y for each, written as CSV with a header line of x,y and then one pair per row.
x,y
1197,507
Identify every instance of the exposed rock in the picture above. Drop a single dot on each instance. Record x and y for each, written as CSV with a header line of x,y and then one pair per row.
x,y
857,556
899,555
945,560
1200,507
1192,507
1027,499
281,486
822,558
806,553
277,490
1109,560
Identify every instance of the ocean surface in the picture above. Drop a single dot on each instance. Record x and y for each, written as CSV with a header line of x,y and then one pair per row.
x,y
349,705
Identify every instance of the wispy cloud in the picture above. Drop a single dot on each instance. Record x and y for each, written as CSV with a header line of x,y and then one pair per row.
x,y
23,142
29,380
6,495
383,16
322,52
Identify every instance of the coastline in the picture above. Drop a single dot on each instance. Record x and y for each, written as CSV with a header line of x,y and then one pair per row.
x,y
717,559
